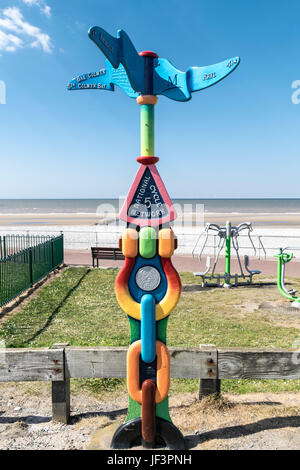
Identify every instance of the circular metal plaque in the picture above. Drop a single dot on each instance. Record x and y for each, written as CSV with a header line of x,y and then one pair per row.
x,y
148,278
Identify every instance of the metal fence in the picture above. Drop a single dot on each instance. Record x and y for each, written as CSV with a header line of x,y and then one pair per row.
x,y
12,244
26,260
82,239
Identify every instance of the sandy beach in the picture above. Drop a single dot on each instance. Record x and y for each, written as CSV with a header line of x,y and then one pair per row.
x,y
82,236
284,220
85,229
16,220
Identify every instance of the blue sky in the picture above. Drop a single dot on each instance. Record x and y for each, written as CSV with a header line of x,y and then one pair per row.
x,y
239,138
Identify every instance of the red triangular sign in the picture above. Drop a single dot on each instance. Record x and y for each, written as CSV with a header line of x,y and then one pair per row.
x,y
148,202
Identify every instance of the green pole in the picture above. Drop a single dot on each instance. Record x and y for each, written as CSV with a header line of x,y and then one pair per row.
x,y
147,130
284,258
279,275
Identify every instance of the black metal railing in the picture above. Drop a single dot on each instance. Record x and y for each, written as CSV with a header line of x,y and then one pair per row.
x,y
24,260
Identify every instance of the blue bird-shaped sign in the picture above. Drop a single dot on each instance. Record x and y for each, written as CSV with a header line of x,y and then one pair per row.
x,y
126,69
179,85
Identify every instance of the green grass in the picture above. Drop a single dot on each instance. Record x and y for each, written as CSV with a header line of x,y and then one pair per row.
x,y
79,307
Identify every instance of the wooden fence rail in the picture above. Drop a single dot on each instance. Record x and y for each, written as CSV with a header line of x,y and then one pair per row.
x,y
207,364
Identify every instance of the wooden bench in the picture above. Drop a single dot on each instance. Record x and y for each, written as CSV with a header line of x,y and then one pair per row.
x,y
99,252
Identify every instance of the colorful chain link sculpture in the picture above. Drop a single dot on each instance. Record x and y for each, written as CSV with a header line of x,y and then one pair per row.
x,y
147,287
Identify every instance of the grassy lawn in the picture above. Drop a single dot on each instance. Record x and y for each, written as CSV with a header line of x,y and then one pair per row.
x,y
79,307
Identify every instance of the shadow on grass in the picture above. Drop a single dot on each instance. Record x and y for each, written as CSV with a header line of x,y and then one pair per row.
x,y
26,294
253,403
208,287
30,419
233,432
113,415
56,311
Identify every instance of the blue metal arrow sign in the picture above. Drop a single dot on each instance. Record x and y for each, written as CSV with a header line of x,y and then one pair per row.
x,y
125,68
104,79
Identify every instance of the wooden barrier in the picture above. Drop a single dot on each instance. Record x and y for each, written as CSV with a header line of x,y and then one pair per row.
x,y
31,365
208,364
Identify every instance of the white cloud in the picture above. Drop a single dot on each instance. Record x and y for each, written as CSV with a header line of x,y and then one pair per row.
x,y
6,23
31,2
9,42
26,34
44,8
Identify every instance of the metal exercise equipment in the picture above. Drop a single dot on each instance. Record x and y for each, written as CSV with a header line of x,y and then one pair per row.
x,y
228,237
284,258
147,287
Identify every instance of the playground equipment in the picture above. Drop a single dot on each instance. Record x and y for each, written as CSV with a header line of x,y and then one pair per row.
x,y
148,287
228,236
283,259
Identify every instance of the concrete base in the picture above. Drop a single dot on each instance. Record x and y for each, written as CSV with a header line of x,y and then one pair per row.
x,y
227,286
101,439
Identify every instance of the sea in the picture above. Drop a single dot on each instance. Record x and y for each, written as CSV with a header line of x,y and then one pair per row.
x,y
275,229
89,206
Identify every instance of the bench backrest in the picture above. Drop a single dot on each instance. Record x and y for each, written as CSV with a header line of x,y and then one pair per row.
x,y
107,253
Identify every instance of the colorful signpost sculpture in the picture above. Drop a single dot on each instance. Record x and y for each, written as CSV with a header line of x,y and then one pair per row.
x,y
148,287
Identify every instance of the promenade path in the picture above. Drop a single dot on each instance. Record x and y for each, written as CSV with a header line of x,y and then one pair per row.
x,y
188,264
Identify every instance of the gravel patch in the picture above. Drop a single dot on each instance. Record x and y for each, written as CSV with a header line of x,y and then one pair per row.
x,y
252,421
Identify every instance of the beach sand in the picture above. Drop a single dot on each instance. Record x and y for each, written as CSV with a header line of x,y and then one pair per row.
x,y
258,219
49,219
81,231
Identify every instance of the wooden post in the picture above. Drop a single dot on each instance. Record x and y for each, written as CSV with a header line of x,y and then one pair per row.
x,y
212,385
61,394
209,387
